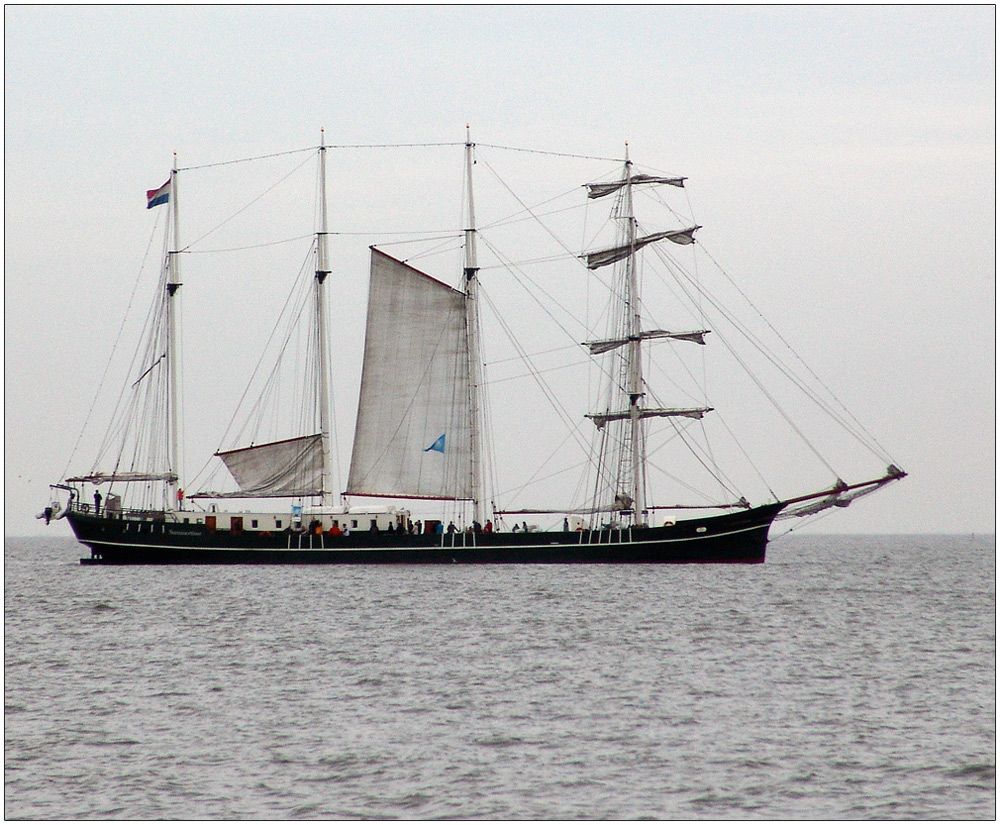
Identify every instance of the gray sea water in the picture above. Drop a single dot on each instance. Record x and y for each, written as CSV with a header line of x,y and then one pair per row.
x,y
847,678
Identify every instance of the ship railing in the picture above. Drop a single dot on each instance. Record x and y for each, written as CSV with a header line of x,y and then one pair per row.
x,y
607,535
130,513
465,540
312,543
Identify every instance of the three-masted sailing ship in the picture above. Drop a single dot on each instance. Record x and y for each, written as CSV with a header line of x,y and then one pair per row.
x,y
419,433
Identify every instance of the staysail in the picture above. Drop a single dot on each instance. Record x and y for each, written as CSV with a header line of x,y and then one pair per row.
x,y
293,467
414,434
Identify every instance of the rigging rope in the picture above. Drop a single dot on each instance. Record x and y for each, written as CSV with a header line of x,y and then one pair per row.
x,y
746,367
251,246
244,208
114,348
873,444
546,152
314,149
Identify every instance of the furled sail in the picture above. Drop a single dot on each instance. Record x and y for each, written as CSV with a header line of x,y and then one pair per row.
x,y
603,257
600,419
102,478
414,433
293,467
695,337
599,190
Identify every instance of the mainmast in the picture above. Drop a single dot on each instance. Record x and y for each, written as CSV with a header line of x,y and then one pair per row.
x,y
322,270
173,362
472,332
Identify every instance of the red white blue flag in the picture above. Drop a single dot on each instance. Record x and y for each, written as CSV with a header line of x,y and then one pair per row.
x,y
154,197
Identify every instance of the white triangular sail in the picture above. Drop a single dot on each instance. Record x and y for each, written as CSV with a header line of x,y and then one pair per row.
x,y
289,468
414,434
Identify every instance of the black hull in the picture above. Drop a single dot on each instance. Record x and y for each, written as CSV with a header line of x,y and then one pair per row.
x,y
738,538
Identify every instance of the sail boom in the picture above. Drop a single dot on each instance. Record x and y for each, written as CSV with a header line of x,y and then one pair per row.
x,y
585,511
738,505
101,478
408,497
840,495
209,494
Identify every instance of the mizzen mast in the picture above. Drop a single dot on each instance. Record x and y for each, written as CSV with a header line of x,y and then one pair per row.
x,y
173,361
472,333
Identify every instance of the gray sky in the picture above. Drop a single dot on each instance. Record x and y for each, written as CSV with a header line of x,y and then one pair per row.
x,y
843,160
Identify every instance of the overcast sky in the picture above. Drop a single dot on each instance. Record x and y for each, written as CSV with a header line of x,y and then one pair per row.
x,y
846,154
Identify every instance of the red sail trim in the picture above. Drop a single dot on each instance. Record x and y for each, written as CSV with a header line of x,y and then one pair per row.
x,y
415,271
221,453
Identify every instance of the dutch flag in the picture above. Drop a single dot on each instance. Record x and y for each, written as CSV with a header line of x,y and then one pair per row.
x,y
154,197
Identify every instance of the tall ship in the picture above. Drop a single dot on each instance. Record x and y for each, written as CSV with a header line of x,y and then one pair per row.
x,y
428,480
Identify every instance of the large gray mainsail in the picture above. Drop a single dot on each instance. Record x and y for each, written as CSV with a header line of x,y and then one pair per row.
x,y
414,433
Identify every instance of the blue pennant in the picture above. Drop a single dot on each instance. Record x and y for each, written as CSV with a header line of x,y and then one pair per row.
x,y
437,445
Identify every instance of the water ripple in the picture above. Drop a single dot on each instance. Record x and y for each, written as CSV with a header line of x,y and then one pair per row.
x,y
848,678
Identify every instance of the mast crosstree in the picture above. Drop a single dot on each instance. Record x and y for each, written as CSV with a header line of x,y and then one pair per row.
x,y
629,478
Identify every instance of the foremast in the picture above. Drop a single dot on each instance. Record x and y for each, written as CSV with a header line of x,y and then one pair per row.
x,y
628,412
637,442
